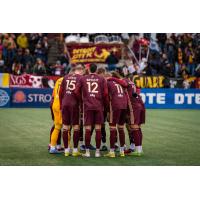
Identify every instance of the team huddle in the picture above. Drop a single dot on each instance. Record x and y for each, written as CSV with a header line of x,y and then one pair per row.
x,y
84,100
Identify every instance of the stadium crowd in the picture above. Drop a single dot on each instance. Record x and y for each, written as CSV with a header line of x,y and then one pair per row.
x,y
170,55
23,53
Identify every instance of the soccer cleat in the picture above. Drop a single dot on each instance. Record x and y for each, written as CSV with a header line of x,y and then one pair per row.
x,y
97,154
76,154
128,151
121,154
92,147
49,147
54,151
67,153
104,148
87,154
136,153
82,147
110,155
61,150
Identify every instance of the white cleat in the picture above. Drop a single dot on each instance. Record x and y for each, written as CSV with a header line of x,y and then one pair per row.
x,y
87,155
97,154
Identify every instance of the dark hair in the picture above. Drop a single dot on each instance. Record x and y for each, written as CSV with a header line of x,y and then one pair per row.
x,y
101,70
93,68
115,74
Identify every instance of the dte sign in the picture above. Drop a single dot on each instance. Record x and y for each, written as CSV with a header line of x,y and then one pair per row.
x,y
171,98
151,98
189,98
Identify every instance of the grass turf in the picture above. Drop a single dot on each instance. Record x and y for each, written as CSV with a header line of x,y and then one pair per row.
x,y
171,137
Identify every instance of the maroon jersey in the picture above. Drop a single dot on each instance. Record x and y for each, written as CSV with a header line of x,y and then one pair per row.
x,y
93,90
67,96
118,96
135,101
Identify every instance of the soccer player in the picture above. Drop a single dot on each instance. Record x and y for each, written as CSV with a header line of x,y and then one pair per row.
x,y
118,110
71,109
56,114
102,72
137,117
92,88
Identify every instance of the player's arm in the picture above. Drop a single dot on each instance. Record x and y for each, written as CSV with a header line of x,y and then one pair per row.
x,y
134,93
121,82
77,90
105,94
61,93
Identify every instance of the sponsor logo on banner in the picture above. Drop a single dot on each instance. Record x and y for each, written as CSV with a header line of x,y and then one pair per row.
x,y
171,98
33,98
4,98
149,81
87,53
19,97
31,81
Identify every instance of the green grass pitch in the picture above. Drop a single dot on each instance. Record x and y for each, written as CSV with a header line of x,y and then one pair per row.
x,y
171,137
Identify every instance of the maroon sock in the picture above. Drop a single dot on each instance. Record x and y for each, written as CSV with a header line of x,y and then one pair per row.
x,y
121,137
113,135
131,137
51,131
59,138
103,134
87,138
65,138
76,138
98,138
81,133
141,137
136,136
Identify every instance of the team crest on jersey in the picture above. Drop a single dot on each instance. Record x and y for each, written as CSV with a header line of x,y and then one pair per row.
x,y
19,97
4,98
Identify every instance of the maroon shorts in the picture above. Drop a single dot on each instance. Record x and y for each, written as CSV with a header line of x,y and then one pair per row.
x,y
70,115
92,117
137,116
118,116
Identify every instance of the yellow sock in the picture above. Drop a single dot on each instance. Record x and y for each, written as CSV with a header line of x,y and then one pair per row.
x,y
54,137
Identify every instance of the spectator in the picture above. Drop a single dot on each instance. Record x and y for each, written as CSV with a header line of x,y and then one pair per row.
x,y
39,53
45,46
161,37
112,60
179,61
166,67
190,57
33,40
17,68
28,61
58,69
22,41
39,68
170,50
19,57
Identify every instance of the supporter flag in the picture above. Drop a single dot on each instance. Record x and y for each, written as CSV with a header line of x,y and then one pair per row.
x,y
4,80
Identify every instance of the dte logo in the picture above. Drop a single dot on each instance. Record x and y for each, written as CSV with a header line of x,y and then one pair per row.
x,y
152,98
188,98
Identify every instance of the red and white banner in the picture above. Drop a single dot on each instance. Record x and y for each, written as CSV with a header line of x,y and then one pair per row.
x,y
32,81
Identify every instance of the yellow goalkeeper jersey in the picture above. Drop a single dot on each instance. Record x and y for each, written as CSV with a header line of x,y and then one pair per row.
x,y
55,95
